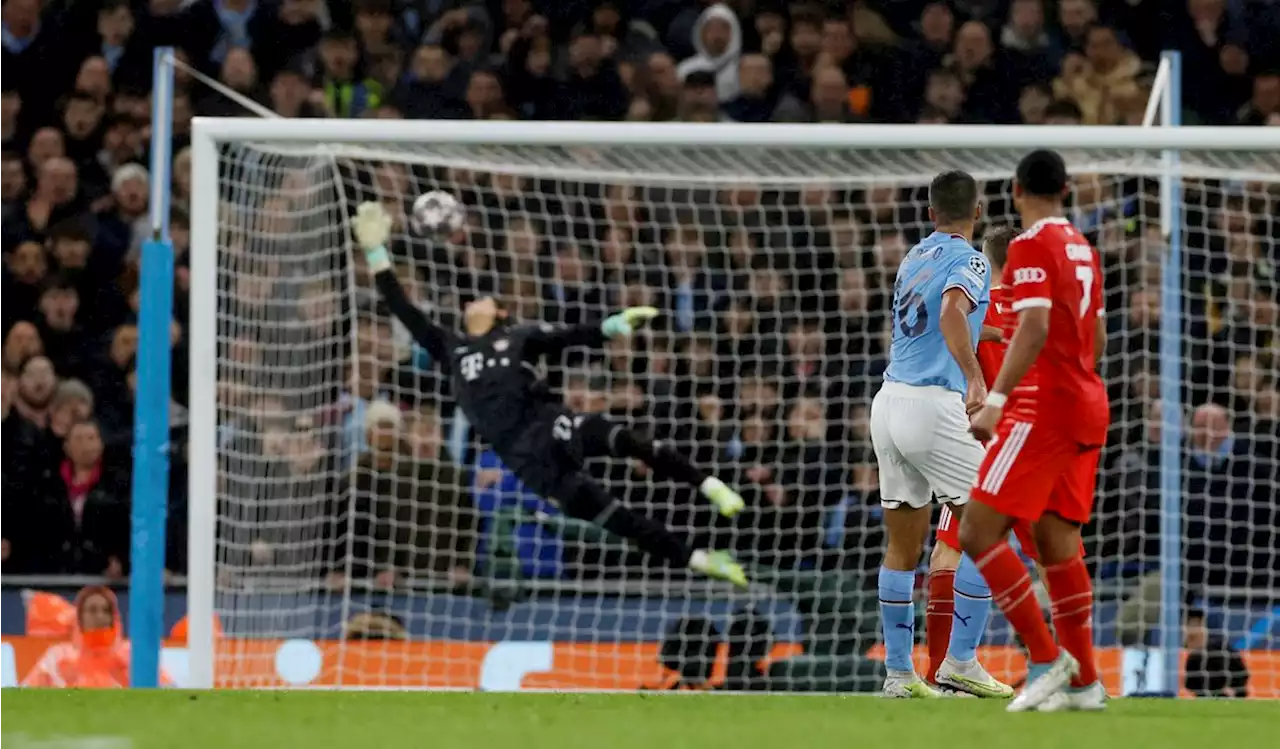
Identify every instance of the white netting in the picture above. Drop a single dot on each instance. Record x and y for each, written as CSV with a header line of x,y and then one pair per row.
x,y
774,269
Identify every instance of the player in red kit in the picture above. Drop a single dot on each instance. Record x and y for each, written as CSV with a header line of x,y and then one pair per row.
x,y
943,583
1046,418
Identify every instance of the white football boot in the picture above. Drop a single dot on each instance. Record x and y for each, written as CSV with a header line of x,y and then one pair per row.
x,y
906,685
1044,681
1090,699
971,678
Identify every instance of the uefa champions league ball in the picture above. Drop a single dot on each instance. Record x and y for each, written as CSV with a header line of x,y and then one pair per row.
x,y
437,212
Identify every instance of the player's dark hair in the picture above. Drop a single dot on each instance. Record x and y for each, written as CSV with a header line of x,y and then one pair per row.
x,y
1042,174
953,195
995,244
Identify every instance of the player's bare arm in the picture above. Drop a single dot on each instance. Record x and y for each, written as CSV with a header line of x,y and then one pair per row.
x,y
1028,339
954,324
991,334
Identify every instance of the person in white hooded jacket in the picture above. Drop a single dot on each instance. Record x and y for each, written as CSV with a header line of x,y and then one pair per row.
x,y
717,37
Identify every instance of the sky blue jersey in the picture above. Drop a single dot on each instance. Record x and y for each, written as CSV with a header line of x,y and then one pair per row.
x,y
918,354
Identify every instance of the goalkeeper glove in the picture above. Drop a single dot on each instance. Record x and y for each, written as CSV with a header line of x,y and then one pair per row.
x,y
626,321
372,228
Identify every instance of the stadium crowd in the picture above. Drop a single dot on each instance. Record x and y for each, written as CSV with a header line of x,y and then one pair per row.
x,y
776,300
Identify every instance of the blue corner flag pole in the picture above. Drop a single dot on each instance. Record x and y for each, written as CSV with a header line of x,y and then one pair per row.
x,y
151,406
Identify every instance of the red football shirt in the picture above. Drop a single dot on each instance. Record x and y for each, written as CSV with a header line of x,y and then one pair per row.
x,y
1052,265
991,353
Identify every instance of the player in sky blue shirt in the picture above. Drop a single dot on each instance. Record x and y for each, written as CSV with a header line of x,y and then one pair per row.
x,y
940,262
920,433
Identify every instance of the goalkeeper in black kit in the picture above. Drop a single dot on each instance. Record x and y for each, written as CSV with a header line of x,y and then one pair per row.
x,y
493,369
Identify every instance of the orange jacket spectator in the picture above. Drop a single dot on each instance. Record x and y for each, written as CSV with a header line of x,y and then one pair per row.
x,y
97,656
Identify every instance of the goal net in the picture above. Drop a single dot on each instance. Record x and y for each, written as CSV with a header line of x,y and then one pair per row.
x,y
364,538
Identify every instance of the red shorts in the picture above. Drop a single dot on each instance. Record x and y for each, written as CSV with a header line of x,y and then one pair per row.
x,y
949,533
1032,469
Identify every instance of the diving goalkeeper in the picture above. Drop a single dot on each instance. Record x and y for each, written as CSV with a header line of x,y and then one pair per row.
x,y
493,368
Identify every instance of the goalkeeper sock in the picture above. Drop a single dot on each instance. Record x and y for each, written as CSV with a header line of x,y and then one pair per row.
x,y
592,502
1071,592
972,608
937,619
1010,586
665,461
897,617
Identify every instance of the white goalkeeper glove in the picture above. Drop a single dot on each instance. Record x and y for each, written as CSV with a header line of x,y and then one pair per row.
x,y
372,228
626,321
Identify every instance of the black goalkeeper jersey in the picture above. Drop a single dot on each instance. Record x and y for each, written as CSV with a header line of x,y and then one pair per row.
x,y
495,376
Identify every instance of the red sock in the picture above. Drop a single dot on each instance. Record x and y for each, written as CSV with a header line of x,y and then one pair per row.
x,y
937,619
1010,585
1071,591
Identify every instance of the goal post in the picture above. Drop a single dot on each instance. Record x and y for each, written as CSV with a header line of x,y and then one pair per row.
x,y
805,209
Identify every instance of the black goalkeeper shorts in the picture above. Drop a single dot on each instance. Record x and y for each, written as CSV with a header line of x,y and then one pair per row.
x,y
548,456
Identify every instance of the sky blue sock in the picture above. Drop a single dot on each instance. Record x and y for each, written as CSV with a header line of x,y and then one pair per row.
x,y
973,608
898,617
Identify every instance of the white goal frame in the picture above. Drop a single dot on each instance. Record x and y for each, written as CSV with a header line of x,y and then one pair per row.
x,y
210,133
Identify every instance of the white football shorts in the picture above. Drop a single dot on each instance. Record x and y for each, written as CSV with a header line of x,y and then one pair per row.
x,y
923,446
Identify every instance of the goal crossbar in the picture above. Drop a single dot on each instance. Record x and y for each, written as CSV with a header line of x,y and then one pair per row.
x,y
940,137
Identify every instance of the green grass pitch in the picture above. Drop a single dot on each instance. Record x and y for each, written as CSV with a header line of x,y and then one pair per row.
x,y
407,720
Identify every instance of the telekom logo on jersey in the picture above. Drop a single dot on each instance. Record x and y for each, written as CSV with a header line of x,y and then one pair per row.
x,y
1028,275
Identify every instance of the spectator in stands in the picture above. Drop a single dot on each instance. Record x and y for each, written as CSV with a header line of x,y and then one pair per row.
x,y
118,223
989,91
109,380
239,73
1103,81
342,88
1263,107
25,50
1224,486
26,266
10,109
757,95
97,656
944,95
290,94
870,92
13,183
592,89
36,384
1214,668
71,404
717,41
1034,103
22,444
79,513
1075,17
1024,38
